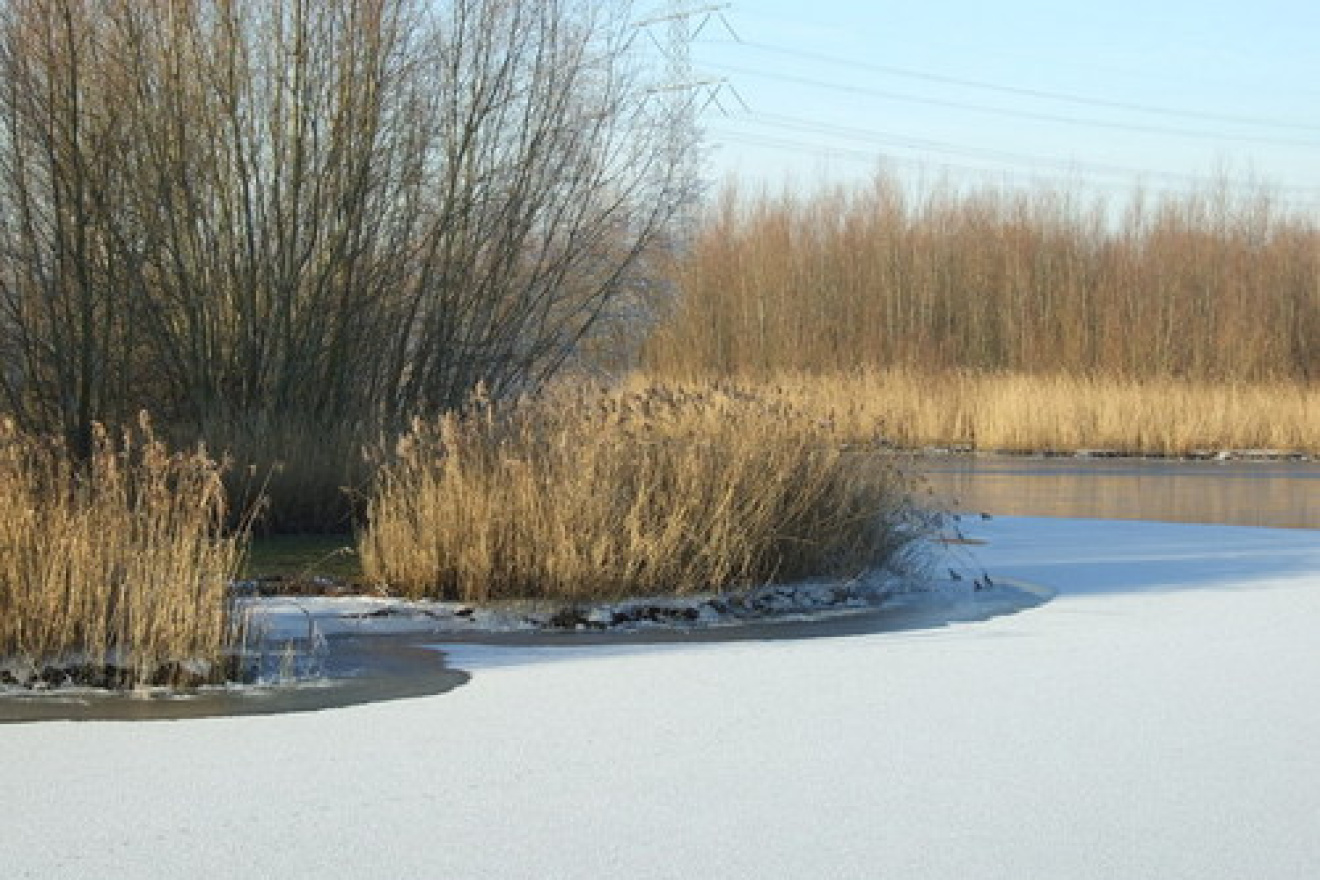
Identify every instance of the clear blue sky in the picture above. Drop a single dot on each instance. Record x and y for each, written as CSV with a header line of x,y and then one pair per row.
x,y
1100,93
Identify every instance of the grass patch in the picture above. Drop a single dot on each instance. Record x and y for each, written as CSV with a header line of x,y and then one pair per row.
x,y
115,566
303,556
598,495
301,565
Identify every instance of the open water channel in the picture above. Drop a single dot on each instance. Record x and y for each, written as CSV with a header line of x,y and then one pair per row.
x,y
1279,494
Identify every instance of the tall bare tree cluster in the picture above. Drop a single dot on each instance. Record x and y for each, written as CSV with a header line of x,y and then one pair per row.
x,y
1207,286
321,212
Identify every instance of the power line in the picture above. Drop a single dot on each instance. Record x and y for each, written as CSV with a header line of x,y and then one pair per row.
x,y
875,158
1016,163
984,153
1201,79
1062,97
999,111
778,130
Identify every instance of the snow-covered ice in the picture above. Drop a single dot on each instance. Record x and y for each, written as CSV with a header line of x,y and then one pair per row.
x,y
1160,718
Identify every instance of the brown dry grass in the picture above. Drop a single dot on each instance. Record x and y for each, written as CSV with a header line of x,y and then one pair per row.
x,y
1035,413
584,495
113,563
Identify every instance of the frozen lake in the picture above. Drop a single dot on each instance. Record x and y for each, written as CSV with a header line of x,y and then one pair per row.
x,y
1152,721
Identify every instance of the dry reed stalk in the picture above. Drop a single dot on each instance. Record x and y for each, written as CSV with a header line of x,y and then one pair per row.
x,y
113,565
584,495
1022,413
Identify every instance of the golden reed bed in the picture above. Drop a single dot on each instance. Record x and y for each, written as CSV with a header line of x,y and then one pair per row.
x,y
1020,413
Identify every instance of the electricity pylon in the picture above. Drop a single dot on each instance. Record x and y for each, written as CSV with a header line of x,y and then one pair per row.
x,y
687,94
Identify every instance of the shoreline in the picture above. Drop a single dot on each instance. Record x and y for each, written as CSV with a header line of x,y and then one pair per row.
x,y
396,662
1085,454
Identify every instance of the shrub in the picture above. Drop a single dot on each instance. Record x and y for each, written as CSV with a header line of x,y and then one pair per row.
x,y
289,475
587,495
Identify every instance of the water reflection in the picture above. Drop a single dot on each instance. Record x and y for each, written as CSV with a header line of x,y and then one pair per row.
x,y
357,670
1270,493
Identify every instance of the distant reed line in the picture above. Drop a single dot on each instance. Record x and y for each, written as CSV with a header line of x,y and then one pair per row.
x,y
1026,413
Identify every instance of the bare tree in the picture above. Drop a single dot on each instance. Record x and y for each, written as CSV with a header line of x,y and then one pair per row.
x,y
544,179
62,276
323,213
